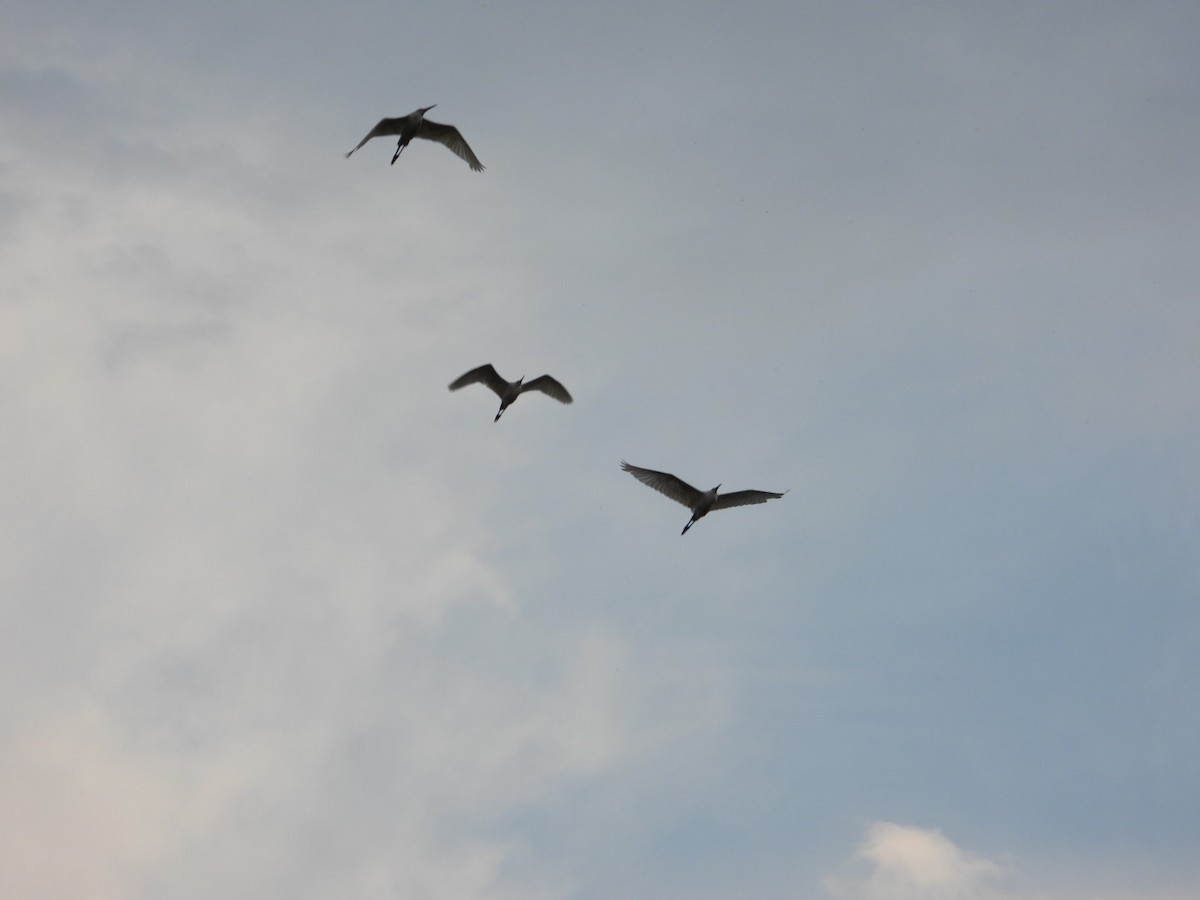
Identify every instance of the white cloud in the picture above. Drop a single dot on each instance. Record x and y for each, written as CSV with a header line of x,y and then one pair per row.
x,y
907,862
904,862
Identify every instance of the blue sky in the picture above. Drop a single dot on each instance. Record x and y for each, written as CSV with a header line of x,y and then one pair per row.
x,y
281,616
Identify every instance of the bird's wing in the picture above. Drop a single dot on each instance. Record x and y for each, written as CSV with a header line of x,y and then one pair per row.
x,y
744,498
450,136
486,374
677,489
385,127
549,386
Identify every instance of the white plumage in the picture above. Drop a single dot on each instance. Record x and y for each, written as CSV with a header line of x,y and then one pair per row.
x,y
508,391
415,125
701,503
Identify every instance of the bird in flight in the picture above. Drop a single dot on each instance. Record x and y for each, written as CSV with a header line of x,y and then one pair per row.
x,y
701,503
508,391
415,125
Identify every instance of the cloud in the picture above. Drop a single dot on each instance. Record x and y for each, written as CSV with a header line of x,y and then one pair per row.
x,y
282,617
905,862
258,640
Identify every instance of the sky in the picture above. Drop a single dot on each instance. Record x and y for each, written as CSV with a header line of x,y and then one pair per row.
x,y
280,616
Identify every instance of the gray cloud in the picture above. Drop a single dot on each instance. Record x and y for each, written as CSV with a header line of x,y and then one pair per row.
x,y
280,615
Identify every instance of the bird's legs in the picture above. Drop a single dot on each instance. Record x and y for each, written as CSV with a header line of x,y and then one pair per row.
x,y
399,147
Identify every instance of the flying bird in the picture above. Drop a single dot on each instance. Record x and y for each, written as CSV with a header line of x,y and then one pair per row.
x,y
508,391
415,125
701,503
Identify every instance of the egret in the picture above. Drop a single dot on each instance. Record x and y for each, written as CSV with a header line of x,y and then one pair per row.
x,y
701,503
508,391
415,125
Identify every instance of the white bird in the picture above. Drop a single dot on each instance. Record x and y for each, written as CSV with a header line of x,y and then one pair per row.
x,y
508,391
701,503
415,125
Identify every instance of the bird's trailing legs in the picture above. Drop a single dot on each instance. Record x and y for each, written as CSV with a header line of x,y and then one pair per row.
x,y
696,516
399,149
506,400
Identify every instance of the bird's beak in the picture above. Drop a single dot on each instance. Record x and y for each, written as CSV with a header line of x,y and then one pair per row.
x,y
428,108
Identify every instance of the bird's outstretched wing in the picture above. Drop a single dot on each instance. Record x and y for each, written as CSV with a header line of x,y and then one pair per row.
x,y
450,137
677,489
485,374
384,128
549,386
744,498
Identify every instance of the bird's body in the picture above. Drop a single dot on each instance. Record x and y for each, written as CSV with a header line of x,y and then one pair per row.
x,y
701,503
415,125
509,391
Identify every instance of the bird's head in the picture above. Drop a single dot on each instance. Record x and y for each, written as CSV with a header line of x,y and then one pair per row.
x,y
717,488
425,109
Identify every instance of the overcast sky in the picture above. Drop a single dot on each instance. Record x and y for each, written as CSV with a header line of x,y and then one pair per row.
x,y
280,616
